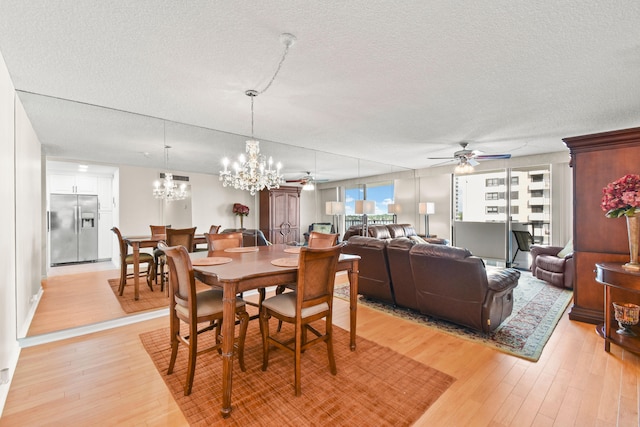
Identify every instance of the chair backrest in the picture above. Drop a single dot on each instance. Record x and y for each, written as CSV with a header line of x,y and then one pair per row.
x,y
322,240
122,243
181,236
322,227
181,280
523,239
214,229
158,230
316,276
219,242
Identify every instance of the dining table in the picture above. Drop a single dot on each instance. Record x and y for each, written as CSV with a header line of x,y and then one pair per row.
x,y
252,268
148,241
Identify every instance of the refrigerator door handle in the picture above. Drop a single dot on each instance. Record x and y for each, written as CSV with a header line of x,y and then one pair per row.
x,y
79,219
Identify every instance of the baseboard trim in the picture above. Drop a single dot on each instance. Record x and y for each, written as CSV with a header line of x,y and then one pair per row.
x,y
89,329
4,388
586,315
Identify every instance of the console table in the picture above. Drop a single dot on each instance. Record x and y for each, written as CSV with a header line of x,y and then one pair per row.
x,y
613,276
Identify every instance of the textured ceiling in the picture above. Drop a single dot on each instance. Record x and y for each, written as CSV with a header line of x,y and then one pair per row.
x,y
391,82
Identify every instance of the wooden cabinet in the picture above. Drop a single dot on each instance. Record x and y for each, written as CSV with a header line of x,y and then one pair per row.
x,y
597,160
280,214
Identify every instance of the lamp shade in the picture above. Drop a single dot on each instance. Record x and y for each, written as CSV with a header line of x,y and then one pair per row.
x,y
393,208
426,208
367,207
334,208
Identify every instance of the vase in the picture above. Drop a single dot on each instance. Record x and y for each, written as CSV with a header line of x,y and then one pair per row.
x,y
633,230
242,223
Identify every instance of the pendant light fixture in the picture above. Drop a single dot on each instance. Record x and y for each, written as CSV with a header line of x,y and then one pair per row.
x,y
167,189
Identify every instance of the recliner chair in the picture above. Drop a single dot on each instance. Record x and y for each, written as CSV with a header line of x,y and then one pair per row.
x,y
553,264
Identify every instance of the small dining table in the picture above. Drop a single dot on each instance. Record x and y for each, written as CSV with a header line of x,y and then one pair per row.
x,y
253,269
149,241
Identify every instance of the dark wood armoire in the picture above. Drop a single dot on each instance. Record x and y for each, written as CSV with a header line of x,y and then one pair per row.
x,y
597,160
280,214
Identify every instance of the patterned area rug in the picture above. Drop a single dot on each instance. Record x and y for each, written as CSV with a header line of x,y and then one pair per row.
x,y
148,300
374,386
537,308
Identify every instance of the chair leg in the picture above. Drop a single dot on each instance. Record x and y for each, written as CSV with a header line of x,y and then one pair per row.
x,y
193,352
279,290
244,323
123,279
298,352
264,329
329,333
150,273
175,329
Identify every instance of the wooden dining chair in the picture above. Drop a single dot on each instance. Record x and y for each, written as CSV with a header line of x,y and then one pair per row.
x,y
312,301
319,240
175,237
126,259
220,242
158,231
191,307
214,229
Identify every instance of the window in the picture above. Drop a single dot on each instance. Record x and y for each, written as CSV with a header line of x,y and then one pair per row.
x,y
537,193
494,182
514,195
515,180
537,209
537,178
491,196
380,193
515,210
491,210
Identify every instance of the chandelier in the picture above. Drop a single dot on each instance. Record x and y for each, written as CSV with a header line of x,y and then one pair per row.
x,y
252,172
167,189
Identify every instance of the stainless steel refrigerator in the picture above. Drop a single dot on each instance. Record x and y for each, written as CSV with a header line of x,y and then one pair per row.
x,y
73,225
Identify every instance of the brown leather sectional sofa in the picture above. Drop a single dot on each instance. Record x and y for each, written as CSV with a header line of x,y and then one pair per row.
x,y
388,231
437,280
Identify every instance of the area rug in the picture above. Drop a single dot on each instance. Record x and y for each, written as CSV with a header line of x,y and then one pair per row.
x,y
148,300
537,308
374,385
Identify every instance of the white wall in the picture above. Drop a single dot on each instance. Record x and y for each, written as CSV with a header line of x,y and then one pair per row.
x,y
21,249
9,350
28,205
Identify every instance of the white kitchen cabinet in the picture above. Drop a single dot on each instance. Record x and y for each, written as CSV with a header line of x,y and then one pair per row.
x,y
73,184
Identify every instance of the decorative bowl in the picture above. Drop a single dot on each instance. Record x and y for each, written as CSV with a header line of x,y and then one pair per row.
x,y
627,315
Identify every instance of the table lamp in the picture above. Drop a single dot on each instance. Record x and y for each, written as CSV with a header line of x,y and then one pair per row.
x,y
426,209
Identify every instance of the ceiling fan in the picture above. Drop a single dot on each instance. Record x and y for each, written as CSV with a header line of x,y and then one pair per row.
x,y
307,181
467,159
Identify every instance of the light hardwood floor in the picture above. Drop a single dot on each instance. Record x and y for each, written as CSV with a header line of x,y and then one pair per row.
x,y
106,378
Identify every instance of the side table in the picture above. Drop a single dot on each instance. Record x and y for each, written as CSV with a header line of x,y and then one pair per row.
x,y
612,275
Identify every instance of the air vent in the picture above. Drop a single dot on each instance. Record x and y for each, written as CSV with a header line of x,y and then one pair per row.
x,y
176,177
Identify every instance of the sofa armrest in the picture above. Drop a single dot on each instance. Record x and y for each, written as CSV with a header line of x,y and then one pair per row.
x,y
500,280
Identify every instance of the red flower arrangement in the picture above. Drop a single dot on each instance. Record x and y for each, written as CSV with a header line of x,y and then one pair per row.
x,y
240,209
621,197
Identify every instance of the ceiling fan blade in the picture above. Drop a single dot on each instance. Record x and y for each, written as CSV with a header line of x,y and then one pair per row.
x,y
472,162
441,158
492,156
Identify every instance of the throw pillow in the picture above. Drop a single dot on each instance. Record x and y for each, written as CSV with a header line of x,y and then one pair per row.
x,y
418,239
568,249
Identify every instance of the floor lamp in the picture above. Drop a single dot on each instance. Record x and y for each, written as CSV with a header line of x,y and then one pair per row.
x,y
364,208
336,209
426,209
393,209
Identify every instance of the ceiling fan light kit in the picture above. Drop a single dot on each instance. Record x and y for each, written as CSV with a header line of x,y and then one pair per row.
x,y
468,159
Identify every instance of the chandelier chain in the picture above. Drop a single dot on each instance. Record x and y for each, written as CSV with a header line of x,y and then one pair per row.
x,y
287,44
